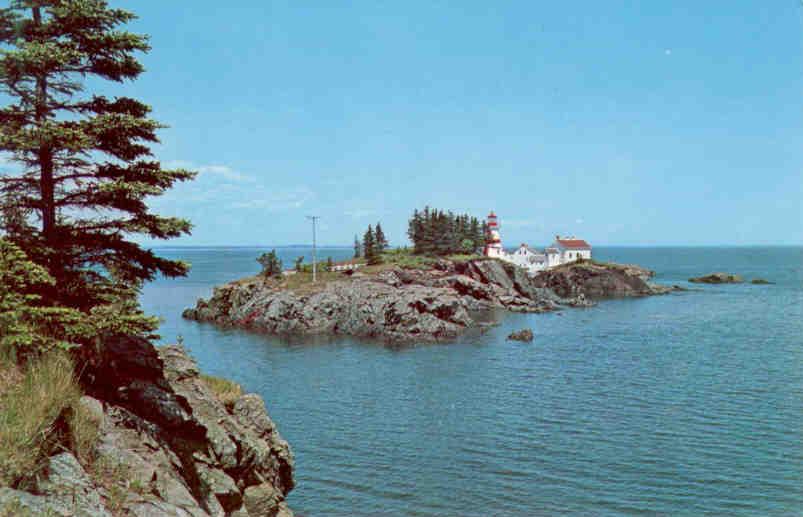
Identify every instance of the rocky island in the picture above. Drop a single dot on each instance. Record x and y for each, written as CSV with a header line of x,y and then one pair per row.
x,y
427,300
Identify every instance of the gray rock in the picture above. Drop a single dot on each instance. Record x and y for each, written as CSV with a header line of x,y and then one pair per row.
x,y
67,490
171,447
521,335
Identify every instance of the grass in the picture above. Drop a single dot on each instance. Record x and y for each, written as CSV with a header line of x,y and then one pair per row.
x,y
226,391
84,433
29,410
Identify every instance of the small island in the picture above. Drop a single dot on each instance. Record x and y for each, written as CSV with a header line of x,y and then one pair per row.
x,y
717,278
414,295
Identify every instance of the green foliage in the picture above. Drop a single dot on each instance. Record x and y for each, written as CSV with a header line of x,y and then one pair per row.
x,y
381,240
329,263
439,233
371,252
85,168
27,327
357,247
299,264
271,265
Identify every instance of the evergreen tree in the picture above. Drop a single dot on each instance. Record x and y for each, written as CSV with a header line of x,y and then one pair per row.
x,y
271,265
370,247
435,232
329,264
357,248
86,170
379,237
299,264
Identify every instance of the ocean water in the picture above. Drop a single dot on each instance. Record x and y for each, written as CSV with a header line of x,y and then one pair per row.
x,y
686,404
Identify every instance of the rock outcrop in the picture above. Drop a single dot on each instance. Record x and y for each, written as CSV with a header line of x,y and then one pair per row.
x,y
600,280
166,446
399,304
521,335
717,278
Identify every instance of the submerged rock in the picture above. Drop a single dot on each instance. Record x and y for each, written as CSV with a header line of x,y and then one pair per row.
x,y
761,281
521,335
717,278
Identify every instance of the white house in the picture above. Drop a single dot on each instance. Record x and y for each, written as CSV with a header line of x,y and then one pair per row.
x,y
563,251
570,249
528,258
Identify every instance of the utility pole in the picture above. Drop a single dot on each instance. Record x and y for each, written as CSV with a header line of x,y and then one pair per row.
x,y
314,219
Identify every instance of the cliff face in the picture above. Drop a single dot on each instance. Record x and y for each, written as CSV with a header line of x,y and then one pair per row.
x,y
400,304
167,446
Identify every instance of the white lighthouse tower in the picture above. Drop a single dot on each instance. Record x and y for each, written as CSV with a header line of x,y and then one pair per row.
x,y
493,242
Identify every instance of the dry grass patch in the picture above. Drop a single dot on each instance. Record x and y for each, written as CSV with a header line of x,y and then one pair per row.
x,y
225,390
84,433
29,410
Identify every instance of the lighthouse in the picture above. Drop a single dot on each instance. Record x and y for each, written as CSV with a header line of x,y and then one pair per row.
x,y
493,243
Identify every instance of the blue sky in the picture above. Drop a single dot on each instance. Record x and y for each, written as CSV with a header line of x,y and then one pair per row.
x,y
624,122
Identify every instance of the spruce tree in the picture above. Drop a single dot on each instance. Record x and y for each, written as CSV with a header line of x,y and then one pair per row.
x,y
369,246
379,237
357,248
85,168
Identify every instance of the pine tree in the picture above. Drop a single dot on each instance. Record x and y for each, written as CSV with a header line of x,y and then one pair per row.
x,y
379,236
271,265
330,264
86,170
299,263
369,247
357,248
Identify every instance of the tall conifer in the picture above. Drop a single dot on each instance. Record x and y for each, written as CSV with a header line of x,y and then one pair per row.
x,y
85,168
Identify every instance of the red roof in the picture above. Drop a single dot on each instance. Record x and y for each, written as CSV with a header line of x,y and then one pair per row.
x,y
574,244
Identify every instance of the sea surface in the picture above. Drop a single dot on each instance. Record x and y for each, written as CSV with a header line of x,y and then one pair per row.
x,y
686,404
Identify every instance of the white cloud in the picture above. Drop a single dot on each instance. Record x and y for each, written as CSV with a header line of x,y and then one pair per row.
x,y
222,171
219,186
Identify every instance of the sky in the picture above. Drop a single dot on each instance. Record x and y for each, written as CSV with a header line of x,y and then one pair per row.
x,y
622,122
